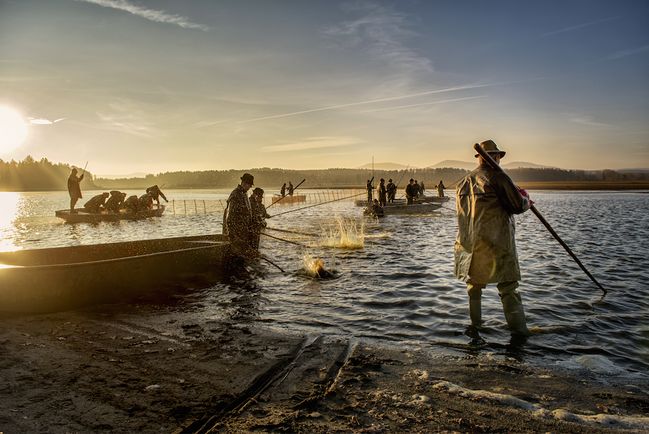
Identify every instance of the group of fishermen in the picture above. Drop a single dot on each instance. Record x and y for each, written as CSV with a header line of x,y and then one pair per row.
x,y
245,217
387,192
112,202
282,191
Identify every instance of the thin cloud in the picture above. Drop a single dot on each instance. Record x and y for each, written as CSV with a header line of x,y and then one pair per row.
x,y
578,26
148,14
586,120
42,121
313,143
443,101
372,101
383,33
628,52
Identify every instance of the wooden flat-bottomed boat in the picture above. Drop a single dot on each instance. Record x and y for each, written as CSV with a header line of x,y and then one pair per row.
x,y
296,198
402,201
61,278
414,209
81,216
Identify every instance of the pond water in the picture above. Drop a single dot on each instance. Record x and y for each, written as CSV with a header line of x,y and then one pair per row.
x,y
399,286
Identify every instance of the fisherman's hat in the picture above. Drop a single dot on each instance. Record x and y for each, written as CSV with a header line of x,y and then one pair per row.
x,y
259,191
248,178
491,148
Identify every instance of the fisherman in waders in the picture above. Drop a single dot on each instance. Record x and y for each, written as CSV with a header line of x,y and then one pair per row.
x,y
237,220
485,249
156,194
74,189
259,216
410,192
392,190
282,191
370,191
115,201
96,203
290,188
383,193
440,188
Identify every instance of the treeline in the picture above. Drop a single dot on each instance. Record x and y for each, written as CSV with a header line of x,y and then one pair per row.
x,y
42,175
32,175
350,178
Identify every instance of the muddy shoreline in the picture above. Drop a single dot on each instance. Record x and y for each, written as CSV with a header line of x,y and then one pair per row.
x,y
152,369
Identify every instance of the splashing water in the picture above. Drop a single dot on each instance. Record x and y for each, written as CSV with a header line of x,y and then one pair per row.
x,y
346,234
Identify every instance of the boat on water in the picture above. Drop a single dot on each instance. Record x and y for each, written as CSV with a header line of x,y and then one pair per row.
x,y
296,198
403,201
81,216
413,209
61,278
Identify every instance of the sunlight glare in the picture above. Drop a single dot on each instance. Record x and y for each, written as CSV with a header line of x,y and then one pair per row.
x,y
13,129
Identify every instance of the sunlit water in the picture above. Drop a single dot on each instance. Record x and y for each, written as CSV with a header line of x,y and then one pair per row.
x,y
397,286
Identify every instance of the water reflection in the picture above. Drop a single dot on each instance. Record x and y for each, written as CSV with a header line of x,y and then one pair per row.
x,y
9,204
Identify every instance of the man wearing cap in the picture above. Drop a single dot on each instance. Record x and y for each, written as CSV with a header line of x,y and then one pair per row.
x,y
259,216
485,248
238,218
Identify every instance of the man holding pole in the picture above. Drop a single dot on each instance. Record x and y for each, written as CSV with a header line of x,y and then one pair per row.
x,y
74,189
485,248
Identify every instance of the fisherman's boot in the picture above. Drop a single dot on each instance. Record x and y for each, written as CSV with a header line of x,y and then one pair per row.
x,y
513,308
475,304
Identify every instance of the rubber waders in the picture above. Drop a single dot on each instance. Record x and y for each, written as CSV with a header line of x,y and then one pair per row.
x,y
475,311
514,313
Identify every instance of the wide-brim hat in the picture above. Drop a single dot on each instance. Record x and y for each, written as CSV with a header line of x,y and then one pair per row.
x,y
491,148
248,178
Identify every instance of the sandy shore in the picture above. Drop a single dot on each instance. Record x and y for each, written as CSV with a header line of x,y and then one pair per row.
x,y
152,370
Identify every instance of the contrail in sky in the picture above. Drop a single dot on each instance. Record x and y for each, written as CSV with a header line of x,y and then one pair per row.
x,y
149,14
578,26
371,101
442,101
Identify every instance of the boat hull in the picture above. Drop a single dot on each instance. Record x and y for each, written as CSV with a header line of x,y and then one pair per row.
x,y
49,280
414,209
105,216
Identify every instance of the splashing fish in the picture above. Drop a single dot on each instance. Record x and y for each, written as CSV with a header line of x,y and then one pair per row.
x,y
315,267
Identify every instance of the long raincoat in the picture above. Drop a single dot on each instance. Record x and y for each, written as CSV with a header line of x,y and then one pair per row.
x,y
485,248
74,187
238,221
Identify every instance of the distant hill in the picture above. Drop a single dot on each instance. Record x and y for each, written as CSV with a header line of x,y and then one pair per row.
x,y
472,165
385,166
454,164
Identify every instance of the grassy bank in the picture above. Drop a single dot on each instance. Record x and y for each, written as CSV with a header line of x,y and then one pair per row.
x,y
585,185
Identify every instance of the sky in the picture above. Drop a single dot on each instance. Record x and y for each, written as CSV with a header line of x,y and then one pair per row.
x,y
152,86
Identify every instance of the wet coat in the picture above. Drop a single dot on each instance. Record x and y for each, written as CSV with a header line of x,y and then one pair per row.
x,y
238,221
95,203
485,248
259,216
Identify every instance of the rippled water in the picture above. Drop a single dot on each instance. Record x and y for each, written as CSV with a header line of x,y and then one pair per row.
x,y
400,287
